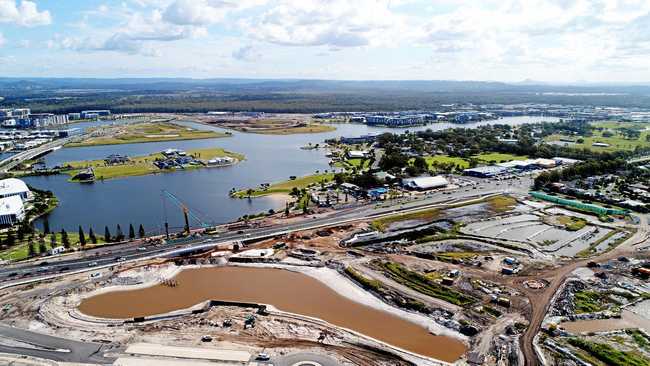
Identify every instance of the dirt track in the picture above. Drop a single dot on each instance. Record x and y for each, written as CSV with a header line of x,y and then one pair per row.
x,y
540,300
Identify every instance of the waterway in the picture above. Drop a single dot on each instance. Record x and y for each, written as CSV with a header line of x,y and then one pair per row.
x,y
137,200
286,290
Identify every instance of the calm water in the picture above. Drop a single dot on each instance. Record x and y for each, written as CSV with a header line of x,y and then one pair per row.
x,y
137,200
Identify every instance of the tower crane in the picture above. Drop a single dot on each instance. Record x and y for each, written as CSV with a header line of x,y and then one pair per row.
x,y
187,212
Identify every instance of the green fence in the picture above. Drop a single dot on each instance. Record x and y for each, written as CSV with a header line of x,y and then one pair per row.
x,y
579,205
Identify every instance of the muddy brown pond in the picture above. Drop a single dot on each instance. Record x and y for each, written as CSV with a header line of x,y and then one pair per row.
x,y
288,291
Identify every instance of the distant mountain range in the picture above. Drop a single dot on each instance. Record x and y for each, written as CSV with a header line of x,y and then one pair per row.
x,y
310,85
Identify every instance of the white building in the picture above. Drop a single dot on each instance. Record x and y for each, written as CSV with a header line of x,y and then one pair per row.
x,y
12,210
425,183
357,154
14,187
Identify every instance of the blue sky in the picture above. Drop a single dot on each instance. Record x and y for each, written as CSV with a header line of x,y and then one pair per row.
x,y
505,40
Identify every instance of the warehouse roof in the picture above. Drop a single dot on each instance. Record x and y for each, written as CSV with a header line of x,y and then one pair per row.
x,y
11,205
490,169
12,186
426,182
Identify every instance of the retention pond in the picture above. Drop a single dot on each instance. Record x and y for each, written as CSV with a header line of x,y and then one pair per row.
x,y
286,290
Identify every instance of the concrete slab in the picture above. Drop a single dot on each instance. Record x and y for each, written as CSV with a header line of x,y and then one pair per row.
x,y
138,361
199,353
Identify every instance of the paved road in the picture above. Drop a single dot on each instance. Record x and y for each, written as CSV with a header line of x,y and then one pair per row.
x,y
53,348
102,257
133,251
10,162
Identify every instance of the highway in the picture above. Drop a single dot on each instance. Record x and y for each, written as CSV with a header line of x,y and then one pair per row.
x,y
24,342
31,271
12,161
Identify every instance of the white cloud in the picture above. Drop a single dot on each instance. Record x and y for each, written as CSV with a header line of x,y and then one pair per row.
x,y
204,12
137,34
337,23
2,40
26,14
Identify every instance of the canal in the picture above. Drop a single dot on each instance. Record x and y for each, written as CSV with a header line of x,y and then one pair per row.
x,y
137,200
286,290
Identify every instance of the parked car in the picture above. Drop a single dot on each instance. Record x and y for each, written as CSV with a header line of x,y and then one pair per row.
x,y
263,357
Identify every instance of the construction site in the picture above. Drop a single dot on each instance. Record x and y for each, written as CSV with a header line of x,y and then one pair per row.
x,y
465,283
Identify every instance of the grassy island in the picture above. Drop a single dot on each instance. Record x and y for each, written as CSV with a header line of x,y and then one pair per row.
x,y
144,132
144,165
284,187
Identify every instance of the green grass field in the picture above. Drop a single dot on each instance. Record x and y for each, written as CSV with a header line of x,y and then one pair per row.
x,y
286,186
142,165
21,250
445,159
616,142
499,157
427,215
146,132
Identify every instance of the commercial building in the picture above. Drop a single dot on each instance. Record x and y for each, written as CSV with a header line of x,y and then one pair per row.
x,y
395,121
14,187
485,171
92,114
425,183
365,139
357,154
12,210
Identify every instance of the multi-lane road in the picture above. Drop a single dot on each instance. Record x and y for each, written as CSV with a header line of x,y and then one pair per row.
x,y
112,255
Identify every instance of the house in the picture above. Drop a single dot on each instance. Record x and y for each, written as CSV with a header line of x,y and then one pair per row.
x,y
116,159
85,175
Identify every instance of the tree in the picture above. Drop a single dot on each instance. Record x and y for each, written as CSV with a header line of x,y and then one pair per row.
x,y
53,240
131,232
42,248
46,226
91,235
11,240
64,239
31,250
82,237
107,235
141,232
119,235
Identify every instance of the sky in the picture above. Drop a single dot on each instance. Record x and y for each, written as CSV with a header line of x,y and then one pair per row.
x,y
497,40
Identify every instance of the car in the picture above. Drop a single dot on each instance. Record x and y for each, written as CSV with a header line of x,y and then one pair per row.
x,y
120,259
92,264
95,274
142,249
42,270
44,263
263,357
64,268
206,338
12,274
